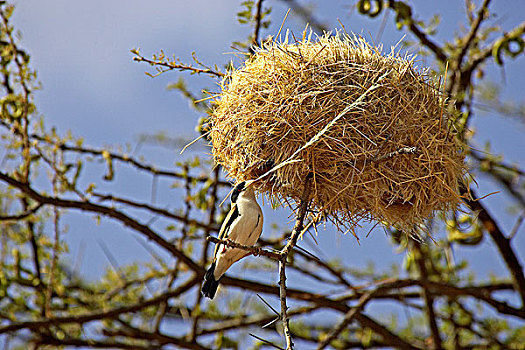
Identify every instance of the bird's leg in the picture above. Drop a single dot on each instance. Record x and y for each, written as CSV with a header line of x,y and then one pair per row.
x,y
226,246
257,252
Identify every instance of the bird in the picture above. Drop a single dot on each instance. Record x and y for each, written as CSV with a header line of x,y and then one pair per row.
x,y
243,225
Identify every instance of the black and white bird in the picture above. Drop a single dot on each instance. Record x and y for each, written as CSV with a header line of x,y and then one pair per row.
x,y
243,225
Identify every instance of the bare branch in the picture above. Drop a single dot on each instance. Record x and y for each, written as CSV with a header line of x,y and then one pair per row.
x,y
284,307
111,212
503,244
80,319
427,296
469,38
124,158
172,65
296,232
21,216
166,213
258,18
349,316
252,249
426,41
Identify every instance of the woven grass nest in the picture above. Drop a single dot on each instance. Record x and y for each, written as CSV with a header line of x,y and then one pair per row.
x,y
371,130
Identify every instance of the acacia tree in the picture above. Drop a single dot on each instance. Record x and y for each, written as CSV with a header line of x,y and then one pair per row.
x,y
46,303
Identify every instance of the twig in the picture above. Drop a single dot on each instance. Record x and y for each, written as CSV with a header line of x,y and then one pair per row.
x,y
485,53
21,216
284,308
267,304
296,232
425,41
493,163
54,263
238,323
100,209
427,296
252,249
365,298
211,219
469,38
257,28
182,218
497,171
124,158
128,330
388,336
181,67
516,226
482,292
112,313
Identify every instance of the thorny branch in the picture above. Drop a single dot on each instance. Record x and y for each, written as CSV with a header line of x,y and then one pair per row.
x,y
172,65
252,249
296,232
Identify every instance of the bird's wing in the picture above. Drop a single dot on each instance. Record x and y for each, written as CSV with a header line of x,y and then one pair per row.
x,y
226,224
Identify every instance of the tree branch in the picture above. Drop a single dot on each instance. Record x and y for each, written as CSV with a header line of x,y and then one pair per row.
x,y
252,249
258,17
180,67
469,38
296,232
349,316
111,212
487,52
284,307
425,40
502,243
21,216
80,319
185,220
427,296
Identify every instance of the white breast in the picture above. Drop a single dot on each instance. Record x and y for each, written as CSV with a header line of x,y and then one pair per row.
x,y
246,230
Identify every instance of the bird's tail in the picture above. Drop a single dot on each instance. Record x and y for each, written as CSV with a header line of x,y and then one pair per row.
x,y
210,283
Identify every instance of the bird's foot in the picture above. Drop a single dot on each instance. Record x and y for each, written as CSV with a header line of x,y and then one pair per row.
x,y
227,245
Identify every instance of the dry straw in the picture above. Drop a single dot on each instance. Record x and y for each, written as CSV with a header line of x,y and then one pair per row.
x,y
370,128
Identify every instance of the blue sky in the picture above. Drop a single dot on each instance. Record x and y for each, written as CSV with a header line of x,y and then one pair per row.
x,y
92,87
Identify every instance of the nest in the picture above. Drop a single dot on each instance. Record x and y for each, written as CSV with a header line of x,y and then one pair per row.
x,y
371,130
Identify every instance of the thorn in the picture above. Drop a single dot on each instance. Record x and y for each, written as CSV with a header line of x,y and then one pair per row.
x,y
267,304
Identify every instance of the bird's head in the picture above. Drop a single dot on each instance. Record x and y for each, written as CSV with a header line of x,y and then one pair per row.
x,y
237,190
241,187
